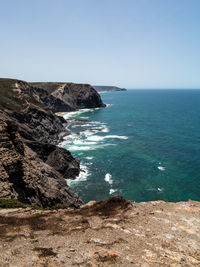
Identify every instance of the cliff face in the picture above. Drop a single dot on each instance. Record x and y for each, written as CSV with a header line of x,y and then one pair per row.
x,y
76,96
32,168
31,179
41,125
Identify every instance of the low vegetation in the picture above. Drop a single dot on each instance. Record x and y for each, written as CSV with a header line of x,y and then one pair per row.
x,y
8,99
11,203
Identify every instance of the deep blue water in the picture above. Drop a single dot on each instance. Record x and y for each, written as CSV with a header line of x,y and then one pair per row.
x,y
149,147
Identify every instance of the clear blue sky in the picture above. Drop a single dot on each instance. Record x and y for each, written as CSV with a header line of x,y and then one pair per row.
x,y
128,43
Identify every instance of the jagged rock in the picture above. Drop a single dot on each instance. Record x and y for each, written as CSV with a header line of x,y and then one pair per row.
x,y
27,178
59,158
32,168
76,96
38,124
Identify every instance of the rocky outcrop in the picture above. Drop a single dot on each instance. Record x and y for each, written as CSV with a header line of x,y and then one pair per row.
x,y
58,158
49,101
32,168
41,125
31,180
76,96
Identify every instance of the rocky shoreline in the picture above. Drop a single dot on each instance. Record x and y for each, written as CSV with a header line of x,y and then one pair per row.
x,y
33,169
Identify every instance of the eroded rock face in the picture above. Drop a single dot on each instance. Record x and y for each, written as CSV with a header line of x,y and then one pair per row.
x,y
32,168
29,179
41,125
58,158
76,96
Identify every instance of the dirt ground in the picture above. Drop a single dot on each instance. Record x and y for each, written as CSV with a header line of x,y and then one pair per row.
x,y
114,232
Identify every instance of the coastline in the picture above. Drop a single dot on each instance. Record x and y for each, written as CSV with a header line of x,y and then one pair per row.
x,y
93,135
68,116
29,134
111,232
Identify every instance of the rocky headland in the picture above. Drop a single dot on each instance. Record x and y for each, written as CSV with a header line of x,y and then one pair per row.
x,y
104,88
33,168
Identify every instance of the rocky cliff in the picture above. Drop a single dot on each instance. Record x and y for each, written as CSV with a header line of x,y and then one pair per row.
x,y
73,95
32,179
32,168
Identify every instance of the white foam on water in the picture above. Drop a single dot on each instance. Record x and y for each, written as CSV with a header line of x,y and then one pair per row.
x,y
81,177
82,142
89,158
88,163
97,122
88,133
87,139
112,191
105,130
101,138
160,189
69,115
78,142
79,148
96,138
85,125
109,105
117,137
84,118
161,168
108,178
64,144
70,137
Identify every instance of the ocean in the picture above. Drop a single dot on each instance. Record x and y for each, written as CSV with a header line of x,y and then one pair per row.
x,y
145,145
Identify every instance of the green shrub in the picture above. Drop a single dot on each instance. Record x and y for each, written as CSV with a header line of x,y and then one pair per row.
x,y
11,203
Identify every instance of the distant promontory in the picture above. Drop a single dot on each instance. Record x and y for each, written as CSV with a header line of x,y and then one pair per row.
x,y
104,88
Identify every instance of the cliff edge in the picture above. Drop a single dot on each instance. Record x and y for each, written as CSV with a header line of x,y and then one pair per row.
x,y
114,232
32,168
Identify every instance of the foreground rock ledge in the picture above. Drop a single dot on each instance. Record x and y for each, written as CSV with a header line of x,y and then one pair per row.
x,y
114,232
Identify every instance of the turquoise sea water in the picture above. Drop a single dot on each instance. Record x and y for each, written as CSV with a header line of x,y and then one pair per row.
x,y
145,146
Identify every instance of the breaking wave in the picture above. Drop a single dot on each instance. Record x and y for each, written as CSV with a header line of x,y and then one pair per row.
x,y
84,173
108,178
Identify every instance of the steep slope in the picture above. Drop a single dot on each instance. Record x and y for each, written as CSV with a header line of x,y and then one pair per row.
x,y
77,96
26,177
32,109
32,168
